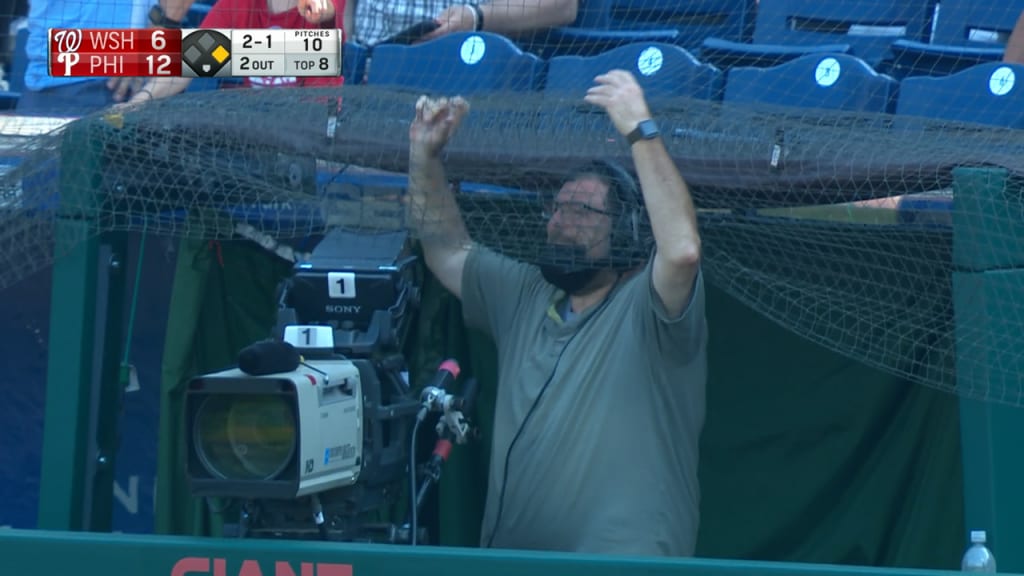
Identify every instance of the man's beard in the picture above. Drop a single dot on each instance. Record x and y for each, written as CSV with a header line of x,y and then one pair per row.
x,y
567,267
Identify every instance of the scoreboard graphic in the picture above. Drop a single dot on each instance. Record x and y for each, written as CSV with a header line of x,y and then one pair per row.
x,y
206,53
194,53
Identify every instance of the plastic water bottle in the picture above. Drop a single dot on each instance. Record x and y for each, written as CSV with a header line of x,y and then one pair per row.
x,y
978,557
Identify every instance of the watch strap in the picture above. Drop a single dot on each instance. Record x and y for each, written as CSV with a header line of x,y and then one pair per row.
x,y
157,17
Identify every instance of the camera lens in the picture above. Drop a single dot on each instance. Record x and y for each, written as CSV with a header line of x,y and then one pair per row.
x,y
245,437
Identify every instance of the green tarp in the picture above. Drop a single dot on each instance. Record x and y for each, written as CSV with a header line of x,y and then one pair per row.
x,y
806,455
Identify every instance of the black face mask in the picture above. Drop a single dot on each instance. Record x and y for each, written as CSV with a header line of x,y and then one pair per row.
x,y
567,267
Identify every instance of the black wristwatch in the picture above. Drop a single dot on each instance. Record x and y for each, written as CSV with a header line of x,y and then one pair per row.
x,y
645,130
158,18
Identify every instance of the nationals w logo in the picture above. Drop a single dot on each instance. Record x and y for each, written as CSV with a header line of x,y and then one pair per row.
x,y
67,43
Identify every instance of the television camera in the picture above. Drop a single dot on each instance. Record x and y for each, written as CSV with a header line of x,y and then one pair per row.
x,y
313,433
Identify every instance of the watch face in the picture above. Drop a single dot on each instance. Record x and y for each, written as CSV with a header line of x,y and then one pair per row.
x,y
646,130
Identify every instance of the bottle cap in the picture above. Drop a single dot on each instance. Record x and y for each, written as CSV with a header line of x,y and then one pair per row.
x,y
978,536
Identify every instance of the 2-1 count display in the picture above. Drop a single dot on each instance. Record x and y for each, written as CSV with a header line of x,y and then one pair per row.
x,y
248,43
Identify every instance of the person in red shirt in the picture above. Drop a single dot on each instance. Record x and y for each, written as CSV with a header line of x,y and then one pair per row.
x,y
260,14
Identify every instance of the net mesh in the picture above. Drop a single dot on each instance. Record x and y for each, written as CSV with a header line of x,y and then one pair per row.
x,y
824,162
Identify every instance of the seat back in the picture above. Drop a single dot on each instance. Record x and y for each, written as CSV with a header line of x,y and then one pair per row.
x,y
829,81
990,93
976,22
868,26
966,33
353,62
460,63
695,19
662,70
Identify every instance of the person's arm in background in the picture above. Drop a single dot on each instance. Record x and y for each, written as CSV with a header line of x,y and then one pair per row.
x,y
174,12
507,17
176,9
157,88
1014,52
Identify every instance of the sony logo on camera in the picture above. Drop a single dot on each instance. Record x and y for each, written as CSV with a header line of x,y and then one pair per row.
x,y
342,309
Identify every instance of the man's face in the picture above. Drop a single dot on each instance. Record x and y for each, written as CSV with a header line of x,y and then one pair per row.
x,y
579,216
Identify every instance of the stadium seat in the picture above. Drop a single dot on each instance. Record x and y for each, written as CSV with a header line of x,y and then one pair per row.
x,y
16,79
983,94
602,25
353,62
462,63
663,71
573,41
966,33
979,23
830,81
868,27
728,54
202,85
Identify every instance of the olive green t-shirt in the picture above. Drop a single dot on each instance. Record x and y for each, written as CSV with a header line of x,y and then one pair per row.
x,y
607,462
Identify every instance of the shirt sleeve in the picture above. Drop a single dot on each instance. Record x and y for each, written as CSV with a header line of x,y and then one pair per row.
x,y
677,338
494,288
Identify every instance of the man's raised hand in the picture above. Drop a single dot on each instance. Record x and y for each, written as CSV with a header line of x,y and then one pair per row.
x,y
621,97
435,122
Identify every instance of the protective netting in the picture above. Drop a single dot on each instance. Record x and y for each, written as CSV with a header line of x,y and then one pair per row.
x,y
825,177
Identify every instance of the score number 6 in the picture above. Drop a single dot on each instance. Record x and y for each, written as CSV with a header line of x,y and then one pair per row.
x,y
158,64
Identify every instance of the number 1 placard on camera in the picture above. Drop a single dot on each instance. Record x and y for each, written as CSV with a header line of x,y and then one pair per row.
x,y
273,52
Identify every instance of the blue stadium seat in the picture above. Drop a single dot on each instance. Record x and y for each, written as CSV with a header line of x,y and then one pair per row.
x,y
728,54
202,85
663,71
966,33
832,81
16,79
602,25
982,94
353,62
462,63
574,41
868,27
